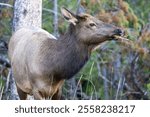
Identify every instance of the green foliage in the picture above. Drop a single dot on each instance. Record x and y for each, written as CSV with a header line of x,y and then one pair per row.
x,y
47,23
141,8
148,87
5,21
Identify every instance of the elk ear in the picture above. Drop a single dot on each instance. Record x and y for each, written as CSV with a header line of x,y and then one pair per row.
x,y
69,16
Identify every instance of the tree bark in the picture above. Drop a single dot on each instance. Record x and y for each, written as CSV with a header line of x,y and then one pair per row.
x,y
27,13
55,19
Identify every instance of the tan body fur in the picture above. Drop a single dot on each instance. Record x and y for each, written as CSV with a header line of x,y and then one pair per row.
x,y
25,71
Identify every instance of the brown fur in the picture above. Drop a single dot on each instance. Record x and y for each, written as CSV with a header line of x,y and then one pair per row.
x,y
40,63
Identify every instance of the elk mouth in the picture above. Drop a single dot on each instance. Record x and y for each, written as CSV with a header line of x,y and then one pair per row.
x,y
118,33
119,36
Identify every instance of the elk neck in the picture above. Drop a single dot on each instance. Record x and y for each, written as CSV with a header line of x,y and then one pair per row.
x,y
74,53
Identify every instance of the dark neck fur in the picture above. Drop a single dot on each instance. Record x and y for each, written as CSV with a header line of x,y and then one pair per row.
x,y
75,54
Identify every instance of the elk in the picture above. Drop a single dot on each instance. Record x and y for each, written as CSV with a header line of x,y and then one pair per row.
x,y
41,62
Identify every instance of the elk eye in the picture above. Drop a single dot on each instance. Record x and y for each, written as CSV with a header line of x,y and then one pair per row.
x,y
92,24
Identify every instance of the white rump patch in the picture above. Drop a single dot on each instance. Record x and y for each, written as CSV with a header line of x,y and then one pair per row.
x,y
48,34
44,31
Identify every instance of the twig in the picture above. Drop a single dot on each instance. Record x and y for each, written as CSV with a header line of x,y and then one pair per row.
x,y
134,46
7,82
1,90
134,92
119,87
13,90
101,76
51,11
77,86
6,5
121,38
44,9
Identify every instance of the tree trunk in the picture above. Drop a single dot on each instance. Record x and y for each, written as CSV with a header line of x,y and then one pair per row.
x,y
55,19
27,13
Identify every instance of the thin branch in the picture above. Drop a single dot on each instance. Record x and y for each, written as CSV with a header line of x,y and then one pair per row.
x,y
50,11
6,5
130,44
119,87
44,9
13,89
101,76
1,90
77,86
7,81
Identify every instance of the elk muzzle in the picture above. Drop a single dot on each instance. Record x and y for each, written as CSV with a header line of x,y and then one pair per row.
x,y
119,32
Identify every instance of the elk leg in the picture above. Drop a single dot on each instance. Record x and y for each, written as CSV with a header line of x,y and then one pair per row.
x,y
38,95
22,94
57,95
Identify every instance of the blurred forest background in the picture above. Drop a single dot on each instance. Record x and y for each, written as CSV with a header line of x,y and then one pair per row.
x,y
116,70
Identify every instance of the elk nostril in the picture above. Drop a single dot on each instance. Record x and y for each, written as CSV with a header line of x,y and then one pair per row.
x,y
118,32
